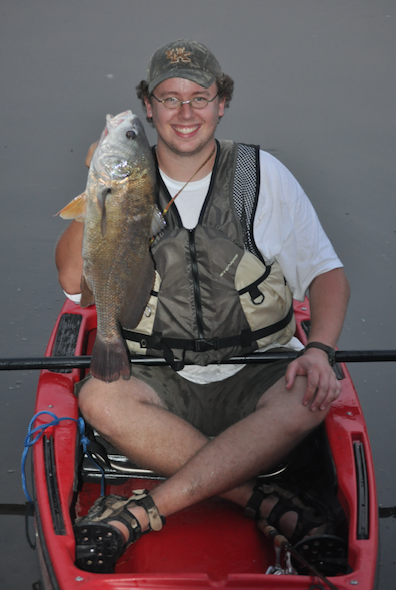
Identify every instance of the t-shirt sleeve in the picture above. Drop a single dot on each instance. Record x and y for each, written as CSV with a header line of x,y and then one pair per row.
x,y
76,298
287,229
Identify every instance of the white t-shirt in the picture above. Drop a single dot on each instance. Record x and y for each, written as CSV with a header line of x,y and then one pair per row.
x,y
286,229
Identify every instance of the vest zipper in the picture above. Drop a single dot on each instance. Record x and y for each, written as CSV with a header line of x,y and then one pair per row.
x,y
196,287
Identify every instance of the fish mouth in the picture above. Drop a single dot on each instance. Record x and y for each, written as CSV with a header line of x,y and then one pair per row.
x,y
117,120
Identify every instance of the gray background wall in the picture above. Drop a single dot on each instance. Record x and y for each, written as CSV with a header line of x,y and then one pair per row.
x,y
315,84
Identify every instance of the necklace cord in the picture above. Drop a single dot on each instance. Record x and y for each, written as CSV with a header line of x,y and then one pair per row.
x,y
165,211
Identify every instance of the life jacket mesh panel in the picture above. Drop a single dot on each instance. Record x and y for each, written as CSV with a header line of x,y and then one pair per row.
x,y
245,193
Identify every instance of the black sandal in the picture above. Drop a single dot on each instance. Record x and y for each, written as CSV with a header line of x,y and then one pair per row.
x,y
308,517
99,545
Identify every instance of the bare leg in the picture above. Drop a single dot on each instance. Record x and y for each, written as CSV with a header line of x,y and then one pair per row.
x,y
131,416
227,464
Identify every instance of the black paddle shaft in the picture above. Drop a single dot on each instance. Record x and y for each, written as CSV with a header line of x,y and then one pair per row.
x,y
83,362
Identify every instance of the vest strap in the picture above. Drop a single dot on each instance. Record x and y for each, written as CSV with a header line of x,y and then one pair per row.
x,y
245,339
268,330
253,287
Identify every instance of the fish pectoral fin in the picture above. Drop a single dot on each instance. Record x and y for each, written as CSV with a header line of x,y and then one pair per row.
x,y
131,313
101,200
157,223
87,297
75,209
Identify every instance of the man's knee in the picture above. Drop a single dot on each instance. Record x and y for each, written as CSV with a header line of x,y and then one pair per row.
x,y
102,401
89,401
288,409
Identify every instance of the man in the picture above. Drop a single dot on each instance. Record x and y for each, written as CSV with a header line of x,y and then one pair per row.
x,y
170,421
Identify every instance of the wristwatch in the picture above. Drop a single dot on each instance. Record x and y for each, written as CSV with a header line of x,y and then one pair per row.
x,y
330,351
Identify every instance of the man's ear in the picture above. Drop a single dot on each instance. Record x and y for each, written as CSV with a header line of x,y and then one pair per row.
x,y
149,110
222,106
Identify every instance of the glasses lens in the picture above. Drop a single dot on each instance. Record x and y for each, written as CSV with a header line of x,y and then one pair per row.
x,y
199,102
171,103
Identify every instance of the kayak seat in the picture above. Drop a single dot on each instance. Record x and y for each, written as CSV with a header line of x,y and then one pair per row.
x,y
116,467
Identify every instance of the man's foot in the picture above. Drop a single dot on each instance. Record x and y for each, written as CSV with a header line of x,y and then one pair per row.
x,y
287,513
109,527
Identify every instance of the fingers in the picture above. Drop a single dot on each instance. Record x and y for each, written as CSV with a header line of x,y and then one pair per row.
x,y
322,391
90,153
322,388
291,374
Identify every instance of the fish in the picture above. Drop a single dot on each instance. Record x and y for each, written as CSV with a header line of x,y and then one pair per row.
x,y
120,217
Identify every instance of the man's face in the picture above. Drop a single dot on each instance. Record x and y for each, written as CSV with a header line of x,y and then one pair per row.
x,y
185,131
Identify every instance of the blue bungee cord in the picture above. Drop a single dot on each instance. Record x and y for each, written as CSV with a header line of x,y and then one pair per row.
x,y
30,441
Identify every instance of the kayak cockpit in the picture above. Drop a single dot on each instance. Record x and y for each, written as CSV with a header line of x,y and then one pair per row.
x,y
210,544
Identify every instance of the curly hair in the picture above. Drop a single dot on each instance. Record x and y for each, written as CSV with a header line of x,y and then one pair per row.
x,y
225,85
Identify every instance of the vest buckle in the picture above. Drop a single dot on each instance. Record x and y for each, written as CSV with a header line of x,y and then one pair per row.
x,y
203,345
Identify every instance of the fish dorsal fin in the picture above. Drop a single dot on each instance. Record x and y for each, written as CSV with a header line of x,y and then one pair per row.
x,y
75,209
157,223
87,297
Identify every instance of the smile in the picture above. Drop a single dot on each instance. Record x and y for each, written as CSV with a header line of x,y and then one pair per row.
x,y
185,130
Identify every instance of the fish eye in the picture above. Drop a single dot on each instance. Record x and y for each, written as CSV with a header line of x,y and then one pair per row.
x,y
131,134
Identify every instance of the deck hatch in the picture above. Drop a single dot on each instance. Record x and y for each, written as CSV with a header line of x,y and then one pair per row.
x,y
66,337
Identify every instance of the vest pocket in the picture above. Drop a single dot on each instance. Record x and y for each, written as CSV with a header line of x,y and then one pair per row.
x,y
265,298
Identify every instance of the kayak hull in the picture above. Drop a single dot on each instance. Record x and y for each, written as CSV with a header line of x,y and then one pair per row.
x,y
209,545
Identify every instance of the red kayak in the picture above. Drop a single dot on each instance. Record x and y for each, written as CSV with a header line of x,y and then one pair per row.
x,y
212,544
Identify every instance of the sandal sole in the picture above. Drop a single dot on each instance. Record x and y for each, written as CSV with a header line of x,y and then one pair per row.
x,y
98,547
328,553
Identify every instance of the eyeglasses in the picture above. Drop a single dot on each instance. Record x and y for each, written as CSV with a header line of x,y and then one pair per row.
x,y
198,102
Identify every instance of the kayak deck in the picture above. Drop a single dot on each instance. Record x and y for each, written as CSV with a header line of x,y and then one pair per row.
x,y
208,545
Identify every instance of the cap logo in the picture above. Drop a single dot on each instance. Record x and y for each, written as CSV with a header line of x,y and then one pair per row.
x,y
178,55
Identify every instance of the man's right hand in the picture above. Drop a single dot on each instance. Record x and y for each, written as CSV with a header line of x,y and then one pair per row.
x,y
90,154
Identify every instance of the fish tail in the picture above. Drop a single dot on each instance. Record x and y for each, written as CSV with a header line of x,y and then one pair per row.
x,y
110,360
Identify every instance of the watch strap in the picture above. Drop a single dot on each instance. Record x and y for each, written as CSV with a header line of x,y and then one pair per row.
x,y
330,351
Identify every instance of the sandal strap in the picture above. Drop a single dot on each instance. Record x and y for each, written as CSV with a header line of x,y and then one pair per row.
x,y
252,508
261,491
131,523
143,499
307,516
113,507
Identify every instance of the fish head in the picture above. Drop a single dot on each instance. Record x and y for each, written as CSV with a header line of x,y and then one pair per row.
x,y
122,148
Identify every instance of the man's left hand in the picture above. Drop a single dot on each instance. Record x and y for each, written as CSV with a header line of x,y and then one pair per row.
x,y
323,388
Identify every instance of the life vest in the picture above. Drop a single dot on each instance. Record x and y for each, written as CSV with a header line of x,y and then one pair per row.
x,y
214,297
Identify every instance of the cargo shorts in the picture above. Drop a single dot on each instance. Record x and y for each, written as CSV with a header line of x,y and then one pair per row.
x,y
211,408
